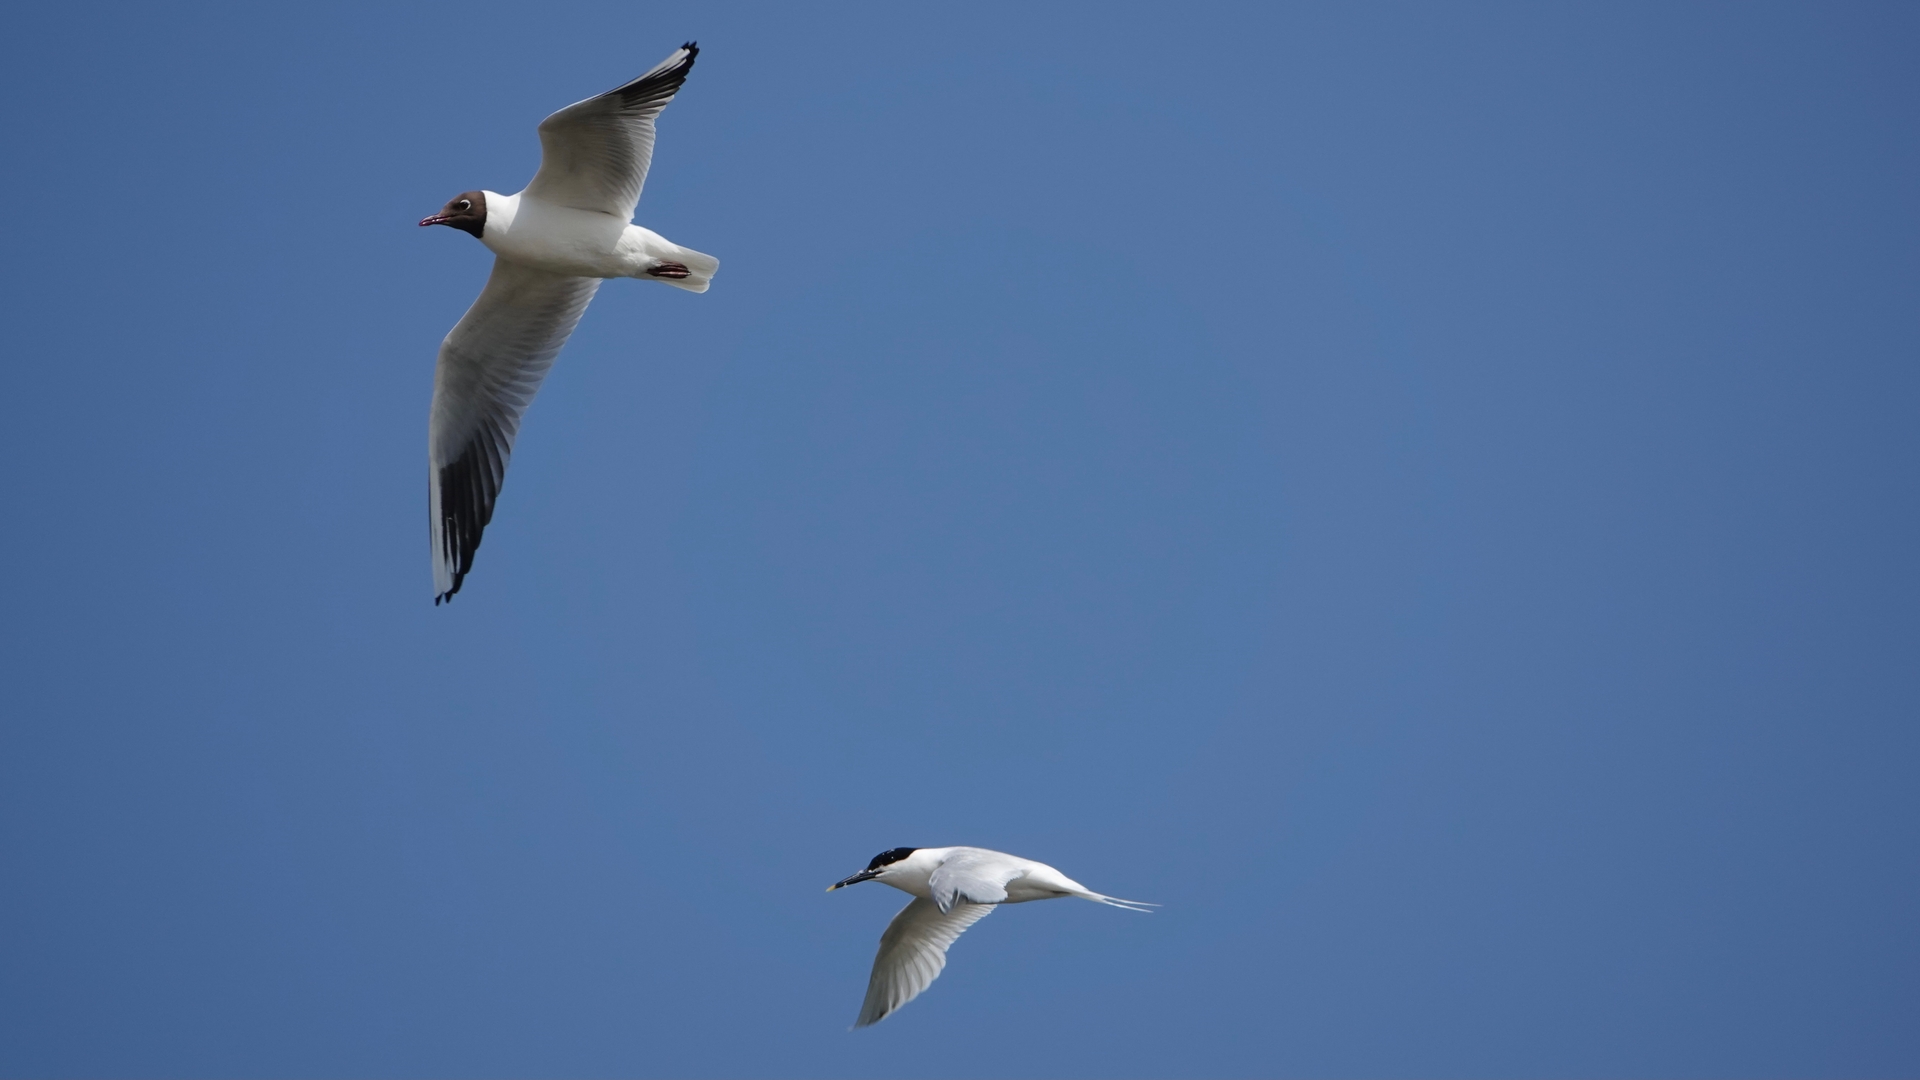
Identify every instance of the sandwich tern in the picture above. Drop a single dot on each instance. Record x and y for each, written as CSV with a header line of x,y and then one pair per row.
x,y
952,888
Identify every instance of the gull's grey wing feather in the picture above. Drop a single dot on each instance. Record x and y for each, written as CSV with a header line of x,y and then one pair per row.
x,y
491,365
973,876
912,953
594,153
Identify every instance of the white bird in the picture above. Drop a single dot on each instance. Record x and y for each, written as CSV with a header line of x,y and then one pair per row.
x,y
953,888
554,242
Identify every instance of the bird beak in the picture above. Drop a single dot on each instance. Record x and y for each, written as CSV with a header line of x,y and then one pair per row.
x,y
437,219
864,875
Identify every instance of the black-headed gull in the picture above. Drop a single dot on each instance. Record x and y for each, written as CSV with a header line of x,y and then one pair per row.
x,y
953,888
553,244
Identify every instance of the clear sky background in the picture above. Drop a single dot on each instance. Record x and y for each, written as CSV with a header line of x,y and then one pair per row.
x,y
1425,492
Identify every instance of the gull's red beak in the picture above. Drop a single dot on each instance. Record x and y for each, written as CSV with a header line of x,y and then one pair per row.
x,y
437,219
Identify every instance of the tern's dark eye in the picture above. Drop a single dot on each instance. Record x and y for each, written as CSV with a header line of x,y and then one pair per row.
x,y
463,204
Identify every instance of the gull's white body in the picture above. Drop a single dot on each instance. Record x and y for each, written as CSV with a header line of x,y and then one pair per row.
x,y
585,243
953,888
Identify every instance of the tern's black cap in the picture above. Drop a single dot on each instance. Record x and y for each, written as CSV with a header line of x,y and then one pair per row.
x,y
891,855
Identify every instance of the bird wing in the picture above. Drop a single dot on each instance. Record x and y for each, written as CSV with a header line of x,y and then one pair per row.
x,y
594,153
491,365
972,876
912,953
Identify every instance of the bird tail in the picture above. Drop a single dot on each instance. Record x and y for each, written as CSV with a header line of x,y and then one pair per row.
x,y
700,270
1114,901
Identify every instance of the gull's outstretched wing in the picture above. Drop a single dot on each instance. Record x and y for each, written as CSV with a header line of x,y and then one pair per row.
x,y
594,153
973,876
912,953
490,367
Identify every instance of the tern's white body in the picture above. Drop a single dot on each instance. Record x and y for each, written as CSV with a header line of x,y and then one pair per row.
x,y
584,243
1027,880
952,888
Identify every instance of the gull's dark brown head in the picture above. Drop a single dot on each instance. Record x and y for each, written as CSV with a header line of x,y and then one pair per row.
x,y
466,211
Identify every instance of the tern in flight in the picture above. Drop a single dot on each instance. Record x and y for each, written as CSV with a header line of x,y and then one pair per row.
x,y
953,888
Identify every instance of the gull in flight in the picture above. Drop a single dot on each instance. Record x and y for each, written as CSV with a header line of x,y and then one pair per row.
x,y
553,244
953,888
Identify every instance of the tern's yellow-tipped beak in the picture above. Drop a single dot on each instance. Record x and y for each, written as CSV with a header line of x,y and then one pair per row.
x,y
864,875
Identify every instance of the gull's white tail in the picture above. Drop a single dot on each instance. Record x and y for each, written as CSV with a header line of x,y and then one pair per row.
x,y
700,270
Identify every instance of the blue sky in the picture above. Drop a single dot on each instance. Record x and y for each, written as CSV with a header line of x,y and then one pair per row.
x,y
1426,493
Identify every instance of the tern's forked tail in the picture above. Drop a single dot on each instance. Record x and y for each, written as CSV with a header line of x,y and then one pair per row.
x,y
1114,901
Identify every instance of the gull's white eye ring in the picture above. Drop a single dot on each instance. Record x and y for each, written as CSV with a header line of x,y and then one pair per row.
x,y
465,204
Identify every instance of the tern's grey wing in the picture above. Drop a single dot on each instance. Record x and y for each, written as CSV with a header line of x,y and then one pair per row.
x,y
973,876
490,367
912,953
594,153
